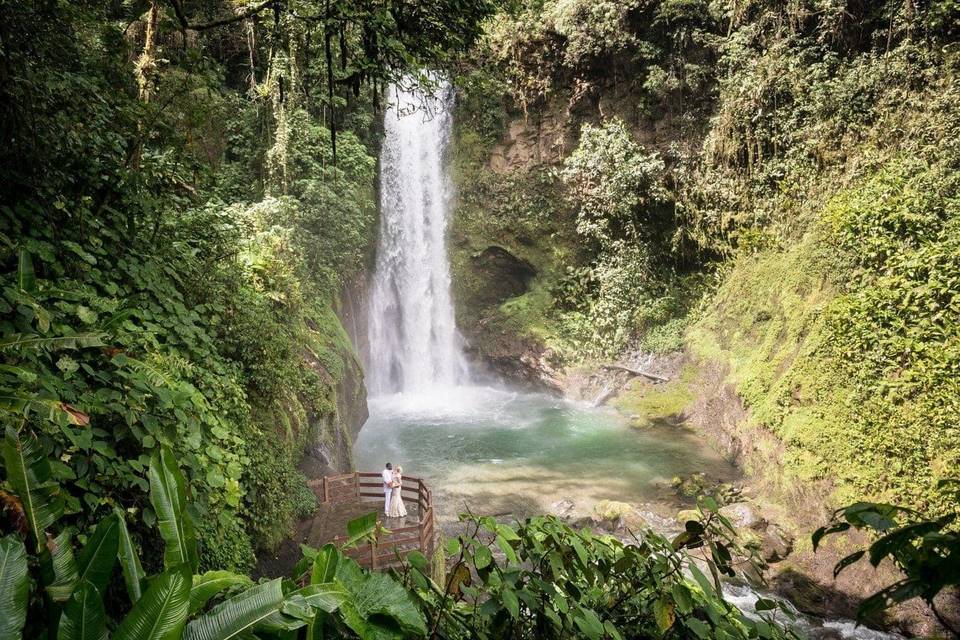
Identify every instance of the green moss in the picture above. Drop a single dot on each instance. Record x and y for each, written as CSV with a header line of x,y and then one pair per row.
x,y
610,509
224,543
328,340
836,344
653,404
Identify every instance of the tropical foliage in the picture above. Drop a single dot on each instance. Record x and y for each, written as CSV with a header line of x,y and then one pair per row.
x,y
543,579
927,552
188,187
770,187
51,591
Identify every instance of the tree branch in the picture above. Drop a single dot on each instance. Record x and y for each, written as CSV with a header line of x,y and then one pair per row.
x,y
250,12
635,372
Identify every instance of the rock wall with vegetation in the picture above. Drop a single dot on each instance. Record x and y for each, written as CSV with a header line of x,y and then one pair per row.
x,y
770,187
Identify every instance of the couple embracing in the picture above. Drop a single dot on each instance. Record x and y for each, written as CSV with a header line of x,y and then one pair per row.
x,y
393,506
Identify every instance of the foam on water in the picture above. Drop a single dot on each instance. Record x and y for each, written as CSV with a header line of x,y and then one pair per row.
x,y
745,598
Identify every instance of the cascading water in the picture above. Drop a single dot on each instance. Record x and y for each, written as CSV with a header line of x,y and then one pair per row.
x,y
414,343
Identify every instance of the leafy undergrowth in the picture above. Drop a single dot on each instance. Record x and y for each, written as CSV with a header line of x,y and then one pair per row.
x,y
847,345
546,580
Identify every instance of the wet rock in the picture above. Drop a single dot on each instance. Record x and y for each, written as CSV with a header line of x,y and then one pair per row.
x,y
743,515
776,544
562,508
661,524
633,521
582,523
607,513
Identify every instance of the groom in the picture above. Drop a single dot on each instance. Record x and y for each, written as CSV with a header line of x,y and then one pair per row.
x,y
387,476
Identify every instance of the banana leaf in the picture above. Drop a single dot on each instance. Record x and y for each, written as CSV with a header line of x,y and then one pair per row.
x,y
14,587
325,564
83,616
63,566
168,496
211,583
99,555
238,616
129,560
162,611
28,472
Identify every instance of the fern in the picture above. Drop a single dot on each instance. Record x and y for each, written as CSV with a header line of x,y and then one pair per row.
x,y
152,374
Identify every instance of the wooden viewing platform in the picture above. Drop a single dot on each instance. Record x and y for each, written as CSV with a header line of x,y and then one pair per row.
x,y
350,495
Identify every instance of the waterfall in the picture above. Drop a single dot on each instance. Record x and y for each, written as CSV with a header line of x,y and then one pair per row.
x,y
414,342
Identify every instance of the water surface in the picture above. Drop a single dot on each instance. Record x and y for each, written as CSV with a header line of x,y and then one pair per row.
x,y
501,452
498,452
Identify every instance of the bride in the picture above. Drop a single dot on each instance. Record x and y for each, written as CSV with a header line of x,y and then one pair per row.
x,y
397,508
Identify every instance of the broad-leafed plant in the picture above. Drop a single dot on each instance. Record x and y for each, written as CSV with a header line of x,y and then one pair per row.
x,y
56,591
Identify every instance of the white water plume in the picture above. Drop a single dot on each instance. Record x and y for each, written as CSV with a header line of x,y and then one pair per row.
x,y
414,343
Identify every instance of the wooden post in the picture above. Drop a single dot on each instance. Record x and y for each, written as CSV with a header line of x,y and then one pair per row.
x,y
373,554
326,491
356,484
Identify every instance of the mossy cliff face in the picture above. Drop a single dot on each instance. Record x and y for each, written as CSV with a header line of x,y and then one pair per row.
x,y
310,432
513,231
806,264
336,419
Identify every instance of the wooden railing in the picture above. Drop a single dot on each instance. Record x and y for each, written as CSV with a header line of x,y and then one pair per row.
x,y
389,548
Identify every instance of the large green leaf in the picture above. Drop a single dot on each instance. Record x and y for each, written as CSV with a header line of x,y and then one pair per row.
x,y
26,279
162,611
211,583
327,596
325,564
168,496
239,615
14,587
28,472
22,342
129,560
362,528
99,555
381,608
83,617
63,566
21,404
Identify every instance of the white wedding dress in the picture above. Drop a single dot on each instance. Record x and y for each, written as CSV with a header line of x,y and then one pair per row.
x,y
397,508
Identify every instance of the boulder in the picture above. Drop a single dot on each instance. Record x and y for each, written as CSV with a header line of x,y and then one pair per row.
x,y
562,508
610,511
632,521
743,516
776,544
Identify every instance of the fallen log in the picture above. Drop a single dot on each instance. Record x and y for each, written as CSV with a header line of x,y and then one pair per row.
x,y
634,372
